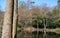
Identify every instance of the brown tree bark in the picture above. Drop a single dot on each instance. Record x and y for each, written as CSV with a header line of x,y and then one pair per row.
x,y
7,25
15,19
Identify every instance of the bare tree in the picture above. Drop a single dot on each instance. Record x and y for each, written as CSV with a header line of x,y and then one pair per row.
x,y
15,18
7,25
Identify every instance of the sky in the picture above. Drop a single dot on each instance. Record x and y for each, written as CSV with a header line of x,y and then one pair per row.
x,y
50,3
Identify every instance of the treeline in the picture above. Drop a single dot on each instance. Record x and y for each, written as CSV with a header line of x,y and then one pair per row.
x,y
33,15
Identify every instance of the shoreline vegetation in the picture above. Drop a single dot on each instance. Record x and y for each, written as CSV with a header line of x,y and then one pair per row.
x,y
32,29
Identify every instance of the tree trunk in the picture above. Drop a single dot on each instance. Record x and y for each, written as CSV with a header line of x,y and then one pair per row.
x,y
7,25
15,19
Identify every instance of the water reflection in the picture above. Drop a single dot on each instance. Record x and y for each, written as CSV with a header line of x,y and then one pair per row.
x,y
22,34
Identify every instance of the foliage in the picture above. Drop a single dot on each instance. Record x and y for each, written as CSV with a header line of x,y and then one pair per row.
x,y
38,14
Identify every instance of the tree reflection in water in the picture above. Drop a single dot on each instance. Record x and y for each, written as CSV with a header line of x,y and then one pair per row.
x,y
34,35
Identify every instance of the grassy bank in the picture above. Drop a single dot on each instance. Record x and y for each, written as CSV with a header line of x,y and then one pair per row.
x,y
56,30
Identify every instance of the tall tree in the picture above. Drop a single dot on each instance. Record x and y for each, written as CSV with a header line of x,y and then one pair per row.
x,y
7,25
15,18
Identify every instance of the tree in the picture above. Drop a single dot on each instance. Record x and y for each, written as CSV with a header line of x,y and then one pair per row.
x,y
7,25
15,19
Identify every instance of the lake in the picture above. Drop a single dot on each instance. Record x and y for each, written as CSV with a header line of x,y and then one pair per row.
x,y
21,34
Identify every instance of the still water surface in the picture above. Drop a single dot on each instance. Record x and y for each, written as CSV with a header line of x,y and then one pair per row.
x,y
22,34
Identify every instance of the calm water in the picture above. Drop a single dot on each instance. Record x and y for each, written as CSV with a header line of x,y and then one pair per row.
x,y
22,34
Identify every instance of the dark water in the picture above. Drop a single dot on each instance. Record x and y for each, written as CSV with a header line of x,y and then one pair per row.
x,y
22,34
